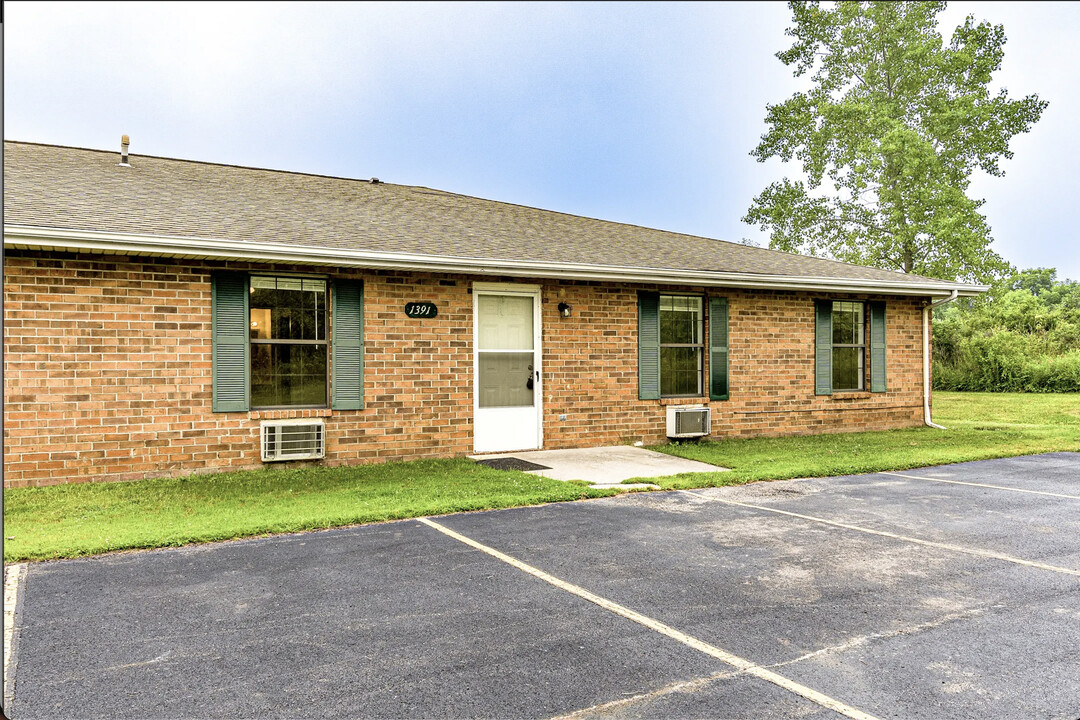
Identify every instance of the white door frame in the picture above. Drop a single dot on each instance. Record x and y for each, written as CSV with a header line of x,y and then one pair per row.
x,y
520,290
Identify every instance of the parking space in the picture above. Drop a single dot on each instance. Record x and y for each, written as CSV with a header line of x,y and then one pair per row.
x,y
986,506
387,621
1050,472
865,596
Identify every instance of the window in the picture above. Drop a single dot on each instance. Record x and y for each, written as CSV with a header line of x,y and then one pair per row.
x,y
288,342
848,346
671,346
681,346
272,347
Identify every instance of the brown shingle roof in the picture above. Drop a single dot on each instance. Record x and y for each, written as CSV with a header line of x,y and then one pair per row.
x,y
80,189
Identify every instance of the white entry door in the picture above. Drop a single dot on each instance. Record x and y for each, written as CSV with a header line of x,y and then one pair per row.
x,y
506,391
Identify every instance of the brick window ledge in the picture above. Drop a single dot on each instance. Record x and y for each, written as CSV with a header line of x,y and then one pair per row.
x,y
852,394
684,400
286,414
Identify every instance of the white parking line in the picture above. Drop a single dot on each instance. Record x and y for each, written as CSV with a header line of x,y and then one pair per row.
x,y
711,650
884,533
973,484
12,575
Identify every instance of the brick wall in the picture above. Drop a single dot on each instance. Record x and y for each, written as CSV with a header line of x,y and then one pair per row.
x,y
592,359
108,376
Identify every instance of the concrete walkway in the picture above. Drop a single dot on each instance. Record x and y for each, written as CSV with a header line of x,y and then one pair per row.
x,y
606,467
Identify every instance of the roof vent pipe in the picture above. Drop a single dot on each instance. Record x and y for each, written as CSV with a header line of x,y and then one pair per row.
x,y
124,142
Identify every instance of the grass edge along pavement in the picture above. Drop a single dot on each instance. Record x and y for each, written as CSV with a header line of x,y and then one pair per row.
x,y
980,426
91,518
64,521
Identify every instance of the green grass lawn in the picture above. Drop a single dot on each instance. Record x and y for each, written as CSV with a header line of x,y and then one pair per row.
x,y
90,518
85,519
980,426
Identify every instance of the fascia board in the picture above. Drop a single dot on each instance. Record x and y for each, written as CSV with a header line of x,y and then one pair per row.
x,y
42,238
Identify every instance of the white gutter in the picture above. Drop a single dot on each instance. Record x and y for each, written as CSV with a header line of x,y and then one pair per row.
x,y
41,238
926,357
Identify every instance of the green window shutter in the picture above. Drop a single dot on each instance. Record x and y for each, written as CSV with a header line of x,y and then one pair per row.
x,y
823,348
718,349
347,358
877,347
229,329
648,345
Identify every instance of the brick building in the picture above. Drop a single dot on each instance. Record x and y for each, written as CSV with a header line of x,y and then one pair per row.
x,y
162,316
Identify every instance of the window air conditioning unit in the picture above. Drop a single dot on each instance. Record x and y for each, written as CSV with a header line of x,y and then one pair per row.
x,y
292,440
684,421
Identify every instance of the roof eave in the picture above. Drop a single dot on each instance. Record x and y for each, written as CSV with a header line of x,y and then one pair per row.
x,y
61,239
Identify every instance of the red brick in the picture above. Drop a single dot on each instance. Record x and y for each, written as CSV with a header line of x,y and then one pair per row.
x,y
134,340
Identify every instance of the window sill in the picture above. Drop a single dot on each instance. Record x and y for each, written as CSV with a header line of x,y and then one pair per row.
x,y
288,413
852,394
684,399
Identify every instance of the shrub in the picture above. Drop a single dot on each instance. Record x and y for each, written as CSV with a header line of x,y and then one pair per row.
x,y
1024,336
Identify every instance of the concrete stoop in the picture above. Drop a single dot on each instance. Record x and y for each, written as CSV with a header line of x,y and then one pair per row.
x,y
606,467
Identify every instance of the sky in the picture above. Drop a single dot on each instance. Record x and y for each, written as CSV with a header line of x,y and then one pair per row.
x,y
642,113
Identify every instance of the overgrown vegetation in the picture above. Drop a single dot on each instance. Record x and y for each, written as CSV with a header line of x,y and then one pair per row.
x,y
1022,336
980,426
91,518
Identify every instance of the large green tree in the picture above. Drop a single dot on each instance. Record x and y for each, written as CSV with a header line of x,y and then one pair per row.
x,y
895,122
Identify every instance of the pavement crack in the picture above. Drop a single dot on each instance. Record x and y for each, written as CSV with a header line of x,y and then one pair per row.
x,y
873,637
160,658
680,686
700,683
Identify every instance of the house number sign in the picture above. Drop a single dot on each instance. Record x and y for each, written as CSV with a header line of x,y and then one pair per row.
x,y
421,309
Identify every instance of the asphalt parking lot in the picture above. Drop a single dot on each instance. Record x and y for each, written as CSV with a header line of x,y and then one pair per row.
x,y
948,592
